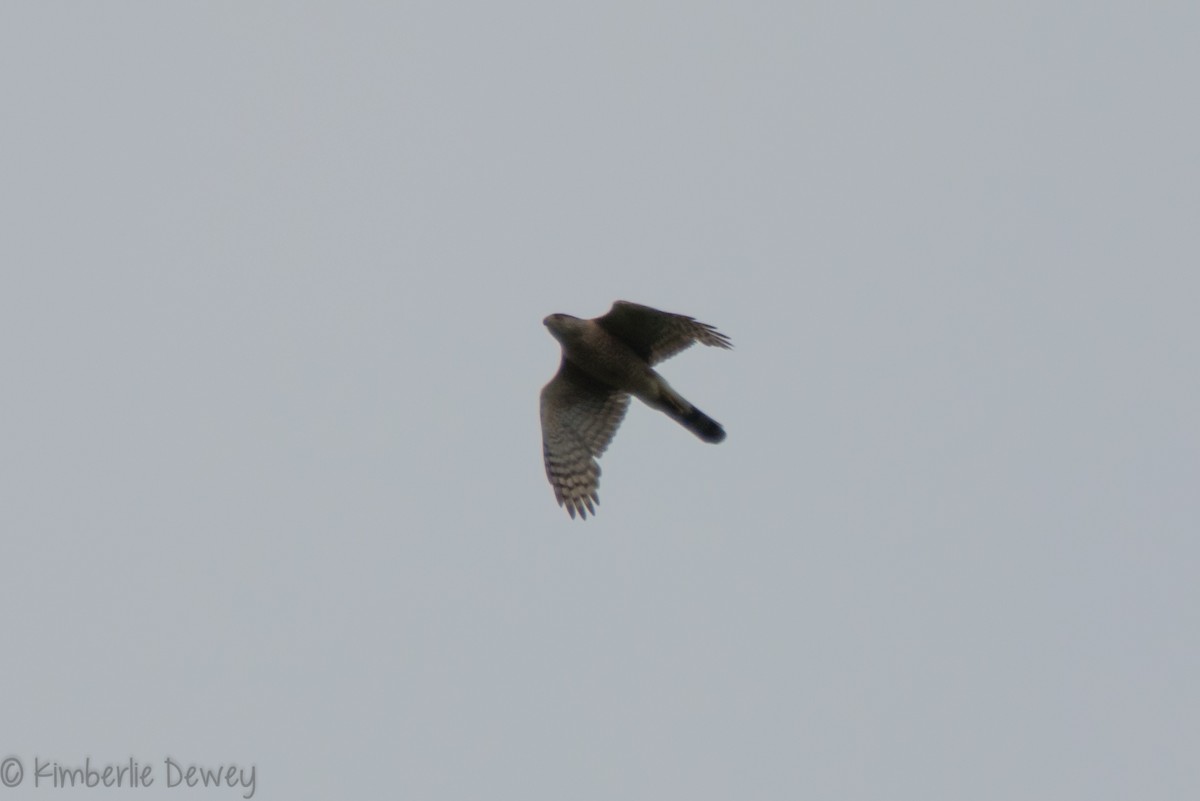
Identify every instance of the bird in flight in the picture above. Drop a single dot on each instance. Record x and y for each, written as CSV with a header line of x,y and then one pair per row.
x,y
604,361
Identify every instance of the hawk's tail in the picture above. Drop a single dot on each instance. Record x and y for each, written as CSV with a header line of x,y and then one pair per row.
x,y
692,418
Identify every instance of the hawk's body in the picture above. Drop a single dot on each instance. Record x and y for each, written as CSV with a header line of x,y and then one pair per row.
x,y
604,361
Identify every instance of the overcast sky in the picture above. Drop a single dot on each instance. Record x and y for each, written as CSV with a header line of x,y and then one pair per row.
x,y
271,490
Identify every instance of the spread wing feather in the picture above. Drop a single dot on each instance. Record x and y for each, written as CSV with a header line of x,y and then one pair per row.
x,y
579,418
657,335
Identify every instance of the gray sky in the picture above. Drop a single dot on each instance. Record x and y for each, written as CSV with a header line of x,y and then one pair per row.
x,y
270,327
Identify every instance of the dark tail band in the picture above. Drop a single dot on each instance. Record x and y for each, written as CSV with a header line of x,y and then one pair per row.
x,y
698,423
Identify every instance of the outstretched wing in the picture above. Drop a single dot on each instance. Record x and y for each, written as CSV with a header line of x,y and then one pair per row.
x,y
579,417
657,335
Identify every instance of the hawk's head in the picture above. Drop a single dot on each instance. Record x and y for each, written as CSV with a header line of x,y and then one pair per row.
x,y
564,326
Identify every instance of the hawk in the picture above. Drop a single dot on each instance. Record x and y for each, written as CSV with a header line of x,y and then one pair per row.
x,y
604,362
